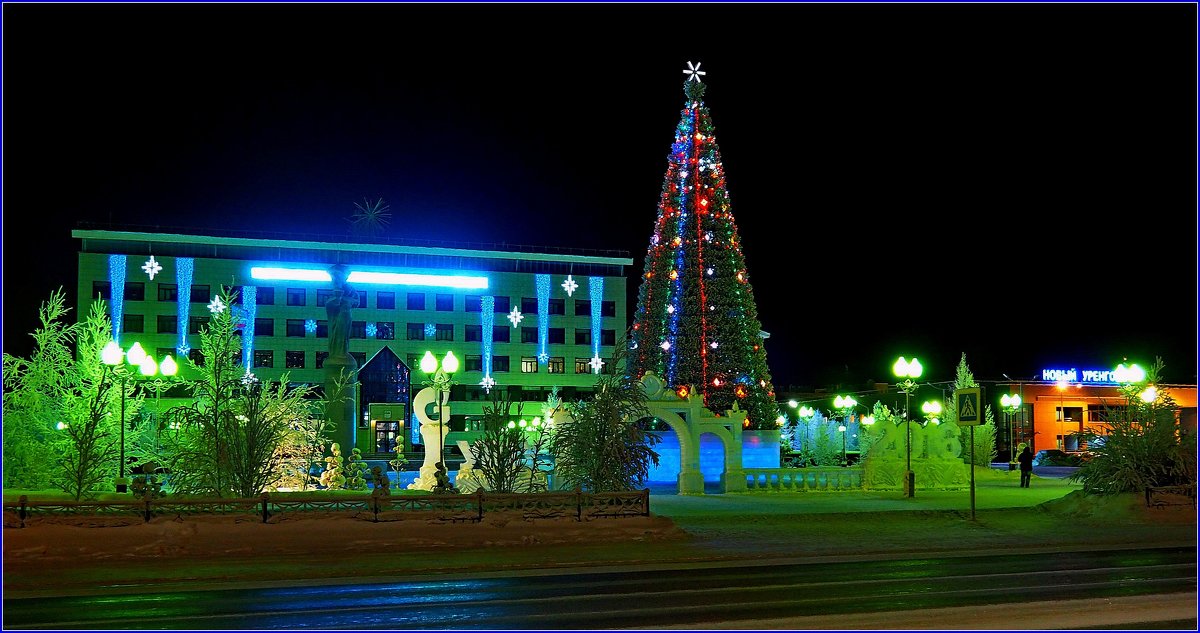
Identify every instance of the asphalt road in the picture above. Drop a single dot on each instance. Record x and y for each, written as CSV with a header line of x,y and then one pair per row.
x,y
736,595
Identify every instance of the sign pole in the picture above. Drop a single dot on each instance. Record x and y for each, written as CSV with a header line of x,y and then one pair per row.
x,y
972,473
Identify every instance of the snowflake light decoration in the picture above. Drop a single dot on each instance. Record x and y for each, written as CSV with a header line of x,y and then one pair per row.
x,y
430,330
249,379
596,364
693,72
515,316
487,383
183,350
570,286
310,325
152,267
216,306
372,329
543,358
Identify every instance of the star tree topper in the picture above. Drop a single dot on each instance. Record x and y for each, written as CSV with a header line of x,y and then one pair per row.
x,y
515,316
693,72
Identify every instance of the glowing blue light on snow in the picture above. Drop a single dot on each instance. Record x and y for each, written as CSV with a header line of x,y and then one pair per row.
x,y
116,287
413,279
183,300
289,274
543,298
487,318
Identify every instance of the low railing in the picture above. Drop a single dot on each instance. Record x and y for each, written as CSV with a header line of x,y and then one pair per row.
x,y
577,504
813,478
1161,496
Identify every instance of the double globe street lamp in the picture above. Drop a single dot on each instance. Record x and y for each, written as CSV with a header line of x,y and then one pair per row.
x,y
908,372
1010,403
112,356
845,406
441,380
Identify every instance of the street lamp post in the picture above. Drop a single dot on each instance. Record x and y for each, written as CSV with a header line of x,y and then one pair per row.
x,y
111,355
806,413
441,381
908,371
1011,403
845,406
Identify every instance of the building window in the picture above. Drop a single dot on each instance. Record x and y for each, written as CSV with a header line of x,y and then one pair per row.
x,y
529,335
102,290
195,323
358,329
200,294
295,327
385,300
385,330
168,292
608,337
416,301
555,365
135,291
557,335
133,323
360,358
168,324
361,295
322,329
293,360
265,296
321,356
528,305
163,352
264,358
444,332
474,362
608,308
323,296
471,303
583,307
235,294
196,355
557,306
416,331
296,296
583,337
502,306
529,365
445,303
411,361
501,334
583,365
472,333
264,327
499,363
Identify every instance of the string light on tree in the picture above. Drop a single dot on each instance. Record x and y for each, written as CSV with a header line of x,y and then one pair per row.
x,y
152,267
515,316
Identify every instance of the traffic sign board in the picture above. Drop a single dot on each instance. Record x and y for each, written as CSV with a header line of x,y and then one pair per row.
x,y
966,403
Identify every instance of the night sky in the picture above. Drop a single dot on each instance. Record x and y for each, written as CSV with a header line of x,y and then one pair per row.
x,y
1016,182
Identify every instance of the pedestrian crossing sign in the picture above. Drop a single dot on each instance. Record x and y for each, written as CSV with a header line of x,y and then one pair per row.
x,y
966,403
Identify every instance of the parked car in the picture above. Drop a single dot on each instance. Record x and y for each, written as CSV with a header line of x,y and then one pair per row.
x,y
1055,457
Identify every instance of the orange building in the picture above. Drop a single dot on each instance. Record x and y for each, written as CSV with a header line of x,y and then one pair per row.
x,y
1068,406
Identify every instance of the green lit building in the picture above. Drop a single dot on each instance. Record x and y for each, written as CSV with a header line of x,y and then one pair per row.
x,y
552,311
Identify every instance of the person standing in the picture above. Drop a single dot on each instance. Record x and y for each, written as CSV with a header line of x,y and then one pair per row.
x,y
1026,461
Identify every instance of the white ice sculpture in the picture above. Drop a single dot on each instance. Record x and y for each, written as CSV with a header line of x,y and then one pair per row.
x,y
433,432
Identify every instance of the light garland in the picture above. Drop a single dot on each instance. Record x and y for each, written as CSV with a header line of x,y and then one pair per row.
x,y
596,294
116,293
487,319
184,267
250,310
542,285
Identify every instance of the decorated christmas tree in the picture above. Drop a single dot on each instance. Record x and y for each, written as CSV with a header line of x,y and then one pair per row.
x,y
696,324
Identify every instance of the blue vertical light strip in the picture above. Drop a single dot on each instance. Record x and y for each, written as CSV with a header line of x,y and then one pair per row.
x,y
543,298
676,298
487,318
596,293
183,301
116,293
250,309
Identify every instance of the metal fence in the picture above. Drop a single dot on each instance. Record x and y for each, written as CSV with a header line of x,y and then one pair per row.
x,y
450,507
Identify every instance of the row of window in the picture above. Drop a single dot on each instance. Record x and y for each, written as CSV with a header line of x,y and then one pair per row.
x,y
384,330
265,296
295,359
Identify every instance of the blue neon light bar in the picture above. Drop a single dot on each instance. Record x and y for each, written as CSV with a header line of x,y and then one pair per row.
x,y
411,279
290,274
